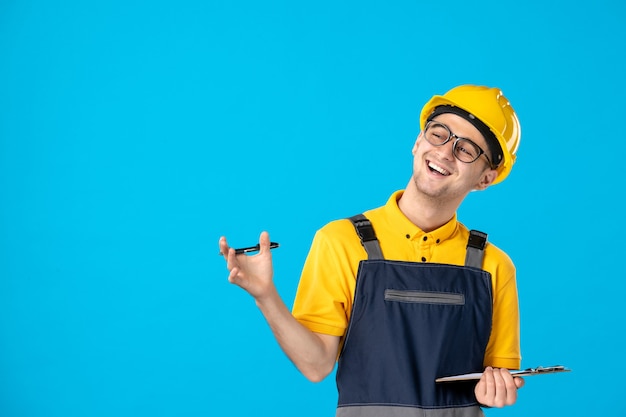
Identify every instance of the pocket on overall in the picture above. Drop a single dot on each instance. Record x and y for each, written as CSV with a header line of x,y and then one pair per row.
x,y
424,297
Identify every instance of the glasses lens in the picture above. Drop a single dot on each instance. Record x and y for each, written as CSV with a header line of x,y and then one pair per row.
x,y
436,134
466,150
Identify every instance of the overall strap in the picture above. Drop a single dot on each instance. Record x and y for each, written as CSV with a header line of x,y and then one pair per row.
x,y
473,257
475,249
367,235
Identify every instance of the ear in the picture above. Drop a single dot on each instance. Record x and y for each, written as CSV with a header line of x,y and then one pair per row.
x,y
414,150
486,179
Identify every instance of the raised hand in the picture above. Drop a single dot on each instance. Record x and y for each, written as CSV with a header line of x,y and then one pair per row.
x,y
253,273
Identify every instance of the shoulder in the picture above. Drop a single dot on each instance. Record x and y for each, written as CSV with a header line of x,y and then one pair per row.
x,y
499,261
496,260
338,237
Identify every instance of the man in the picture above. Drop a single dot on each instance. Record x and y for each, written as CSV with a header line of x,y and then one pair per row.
x,y
406,294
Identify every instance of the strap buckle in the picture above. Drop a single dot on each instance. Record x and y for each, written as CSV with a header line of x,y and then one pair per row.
x,y
477,240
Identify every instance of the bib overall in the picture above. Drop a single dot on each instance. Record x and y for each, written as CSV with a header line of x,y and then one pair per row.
x,y
412,323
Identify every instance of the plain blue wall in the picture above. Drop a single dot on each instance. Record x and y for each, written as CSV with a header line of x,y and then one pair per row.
x,y
133,134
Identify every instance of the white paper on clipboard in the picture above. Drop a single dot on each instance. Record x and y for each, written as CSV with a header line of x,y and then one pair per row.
x,y
540,370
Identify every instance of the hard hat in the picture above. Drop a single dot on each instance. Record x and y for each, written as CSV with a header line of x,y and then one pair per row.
x,y
493,109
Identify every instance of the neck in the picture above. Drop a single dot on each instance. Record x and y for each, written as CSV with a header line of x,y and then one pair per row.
x,y
426,212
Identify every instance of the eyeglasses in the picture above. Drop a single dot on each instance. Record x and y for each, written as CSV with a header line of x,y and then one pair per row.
x,y
465,150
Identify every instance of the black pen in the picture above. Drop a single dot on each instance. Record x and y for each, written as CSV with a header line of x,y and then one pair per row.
x,y
256,248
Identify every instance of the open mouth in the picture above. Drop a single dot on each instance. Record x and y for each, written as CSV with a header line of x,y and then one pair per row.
x,y
437,169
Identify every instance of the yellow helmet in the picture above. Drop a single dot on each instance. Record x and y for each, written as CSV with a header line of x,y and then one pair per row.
x,y
493,109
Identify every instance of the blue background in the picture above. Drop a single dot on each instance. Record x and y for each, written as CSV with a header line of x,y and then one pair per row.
x,y
133,134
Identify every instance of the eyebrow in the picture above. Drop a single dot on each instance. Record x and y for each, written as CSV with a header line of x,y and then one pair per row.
x,y
460,137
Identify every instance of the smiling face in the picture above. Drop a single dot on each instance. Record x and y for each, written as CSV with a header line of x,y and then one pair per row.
x,y
439,175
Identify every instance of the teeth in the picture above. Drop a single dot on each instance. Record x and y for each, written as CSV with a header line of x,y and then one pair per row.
x,y
438,169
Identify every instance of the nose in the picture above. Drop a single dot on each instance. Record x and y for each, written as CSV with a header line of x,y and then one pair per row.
x,y
447,149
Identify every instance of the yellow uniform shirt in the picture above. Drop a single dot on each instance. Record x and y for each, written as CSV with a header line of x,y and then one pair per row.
x,y
325,293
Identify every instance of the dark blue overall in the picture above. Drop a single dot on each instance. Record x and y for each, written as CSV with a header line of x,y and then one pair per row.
x,y
412,323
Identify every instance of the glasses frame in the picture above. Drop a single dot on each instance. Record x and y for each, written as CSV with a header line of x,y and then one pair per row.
x,y
456,141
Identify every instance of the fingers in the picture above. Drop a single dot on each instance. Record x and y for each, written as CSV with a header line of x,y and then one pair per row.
x,y
487,386
223,247
510,387
229,256
253,273
497,388
243,267
233,276
264,242
231,262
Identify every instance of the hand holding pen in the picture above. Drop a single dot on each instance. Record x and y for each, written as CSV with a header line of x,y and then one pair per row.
x,y
250,249
252,273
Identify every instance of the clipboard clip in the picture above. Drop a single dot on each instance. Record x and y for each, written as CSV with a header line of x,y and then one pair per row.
x,y
540,370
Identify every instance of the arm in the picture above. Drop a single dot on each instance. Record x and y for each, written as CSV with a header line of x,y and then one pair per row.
x,y
314,354
497,388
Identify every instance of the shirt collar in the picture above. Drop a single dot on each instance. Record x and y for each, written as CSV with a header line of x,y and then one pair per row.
x,y
399,222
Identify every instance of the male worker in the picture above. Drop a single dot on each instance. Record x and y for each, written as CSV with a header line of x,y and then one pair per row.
x,y
405,293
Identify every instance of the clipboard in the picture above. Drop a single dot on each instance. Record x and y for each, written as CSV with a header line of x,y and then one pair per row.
x,y
540,370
